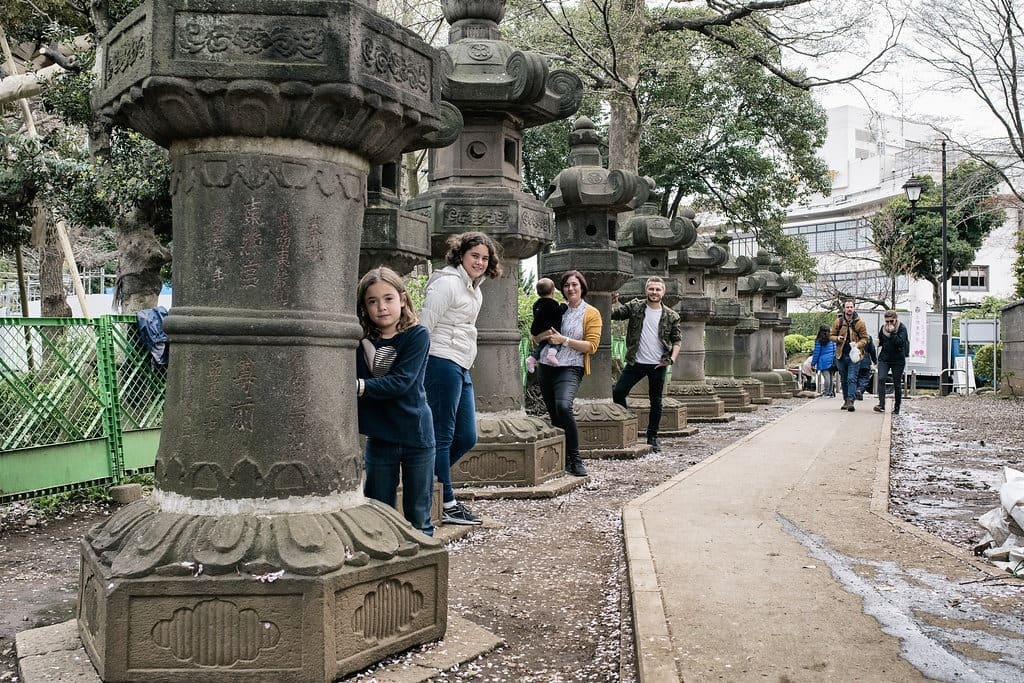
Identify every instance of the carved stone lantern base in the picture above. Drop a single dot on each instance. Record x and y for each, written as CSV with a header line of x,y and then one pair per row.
x,y
272,594
731,390
607,430
673,413
673,417
773,386
755,388
512,450
701,402
787,381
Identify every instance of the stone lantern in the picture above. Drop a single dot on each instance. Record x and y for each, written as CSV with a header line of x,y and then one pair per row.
x,y
649,236
586,199
747,288
257,558
688,383
792,291
764,307
720,285
475,185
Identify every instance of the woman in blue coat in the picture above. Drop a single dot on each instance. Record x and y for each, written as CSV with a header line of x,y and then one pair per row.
x,y
824,358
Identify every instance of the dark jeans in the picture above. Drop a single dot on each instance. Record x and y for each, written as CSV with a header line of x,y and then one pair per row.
x,y
450,395
848,375
384,461
884,368
633,373
864,374
558,387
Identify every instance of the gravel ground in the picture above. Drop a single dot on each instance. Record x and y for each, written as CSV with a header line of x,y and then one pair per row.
x,y
549,577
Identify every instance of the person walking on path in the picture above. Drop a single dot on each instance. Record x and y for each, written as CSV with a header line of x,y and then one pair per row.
x,y
823,360
450,307
850,335
577,342
864,371
893,349
391,361
653,338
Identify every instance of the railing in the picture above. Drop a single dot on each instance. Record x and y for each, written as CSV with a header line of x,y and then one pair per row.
x,y
80,404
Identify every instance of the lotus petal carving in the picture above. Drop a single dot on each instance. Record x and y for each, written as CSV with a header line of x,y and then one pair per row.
x,y
141,540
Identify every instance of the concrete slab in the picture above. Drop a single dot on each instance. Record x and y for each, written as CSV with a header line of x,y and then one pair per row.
x,y
552,488
54,654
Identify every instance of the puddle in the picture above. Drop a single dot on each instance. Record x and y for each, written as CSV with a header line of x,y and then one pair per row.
x,y
945,630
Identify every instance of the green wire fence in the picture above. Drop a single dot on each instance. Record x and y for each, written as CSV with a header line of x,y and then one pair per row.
x,y
80,404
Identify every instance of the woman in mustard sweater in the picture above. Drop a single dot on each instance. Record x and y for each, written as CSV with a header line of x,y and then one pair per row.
x,y
560,377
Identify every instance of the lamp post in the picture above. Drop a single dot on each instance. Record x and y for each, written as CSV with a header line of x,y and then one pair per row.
x,y
913,188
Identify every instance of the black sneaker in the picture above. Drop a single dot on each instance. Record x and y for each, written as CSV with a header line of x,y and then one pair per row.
x,y
860,395
460,514
878,409
652,441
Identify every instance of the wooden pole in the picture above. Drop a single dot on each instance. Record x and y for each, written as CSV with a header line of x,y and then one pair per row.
x,y
62,232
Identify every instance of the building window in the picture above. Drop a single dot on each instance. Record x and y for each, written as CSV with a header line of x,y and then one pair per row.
x,y
835,236
869,284
974,279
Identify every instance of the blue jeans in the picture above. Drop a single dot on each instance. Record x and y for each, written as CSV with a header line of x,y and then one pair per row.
x,y
848,374
383,462
884,368
450,395
633,373
558,387
864,374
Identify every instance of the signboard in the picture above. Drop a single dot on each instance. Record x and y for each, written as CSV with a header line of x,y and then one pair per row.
x,y
918,329
979,331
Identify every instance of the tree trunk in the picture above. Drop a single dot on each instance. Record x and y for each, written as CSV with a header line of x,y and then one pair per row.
x,y
53,296
141,256
411,165
623,135
624,125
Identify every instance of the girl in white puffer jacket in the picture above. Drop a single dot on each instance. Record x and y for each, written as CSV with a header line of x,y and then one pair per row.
x,y
449,312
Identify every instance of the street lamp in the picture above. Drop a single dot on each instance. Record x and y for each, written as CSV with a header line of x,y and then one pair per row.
x,y
913,188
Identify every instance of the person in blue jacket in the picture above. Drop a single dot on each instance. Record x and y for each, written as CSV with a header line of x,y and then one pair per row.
x,y
391,361
823,358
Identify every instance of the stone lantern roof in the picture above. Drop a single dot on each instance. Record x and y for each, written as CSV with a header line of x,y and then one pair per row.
x,y
649,236
333,73
586,199
486,74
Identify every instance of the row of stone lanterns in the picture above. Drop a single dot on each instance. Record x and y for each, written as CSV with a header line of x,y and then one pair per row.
x,y
257,558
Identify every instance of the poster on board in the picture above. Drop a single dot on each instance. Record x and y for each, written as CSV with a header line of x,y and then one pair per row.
x,y
918,333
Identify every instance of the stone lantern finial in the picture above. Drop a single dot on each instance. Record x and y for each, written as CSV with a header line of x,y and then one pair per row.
x,y
584,143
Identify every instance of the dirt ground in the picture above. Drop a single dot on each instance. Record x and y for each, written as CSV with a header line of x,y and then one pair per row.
x,y
548,576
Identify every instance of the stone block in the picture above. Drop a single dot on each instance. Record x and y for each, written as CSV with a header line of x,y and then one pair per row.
x,y
217,629
124,494
511,464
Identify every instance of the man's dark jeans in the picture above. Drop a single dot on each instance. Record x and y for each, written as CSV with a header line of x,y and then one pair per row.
x,y
633,373
884,368
848,373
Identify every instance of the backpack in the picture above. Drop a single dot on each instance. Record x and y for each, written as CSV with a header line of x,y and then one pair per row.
x,y
150,322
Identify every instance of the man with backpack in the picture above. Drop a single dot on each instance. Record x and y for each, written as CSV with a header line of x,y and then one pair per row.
x,y
850,335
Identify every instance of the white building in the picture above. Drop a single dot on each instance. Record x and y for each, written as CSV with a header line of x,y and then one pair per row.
x,y
870,157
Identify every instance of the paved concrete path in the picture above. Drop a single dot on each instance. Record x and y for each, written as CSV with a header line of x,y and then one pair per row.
x,y
775,559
